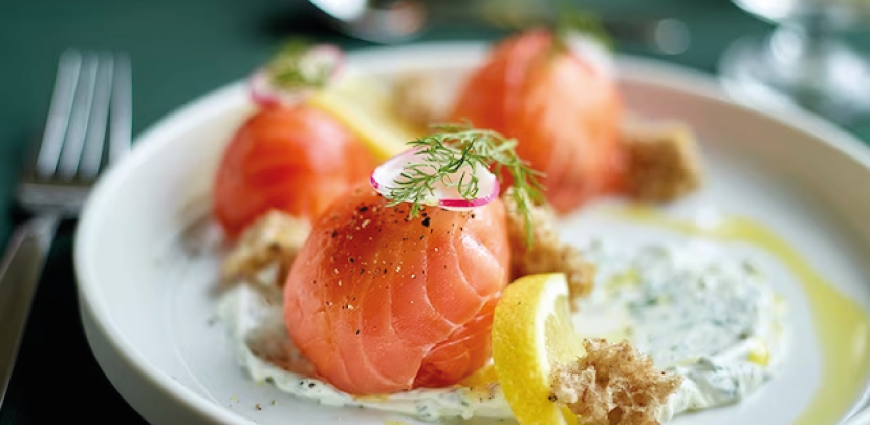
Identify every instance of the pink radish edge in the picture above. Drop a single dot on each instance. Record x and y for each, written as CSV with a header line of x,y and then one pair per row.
x,y
265,96
457,204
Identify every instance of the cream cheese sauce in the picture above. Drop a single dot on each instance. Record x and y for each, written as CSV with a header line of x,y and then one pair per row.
x,y
696,311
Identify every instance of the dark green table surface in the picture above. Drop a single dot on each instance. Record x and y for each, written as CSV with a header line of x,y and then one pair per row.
x,y
181,49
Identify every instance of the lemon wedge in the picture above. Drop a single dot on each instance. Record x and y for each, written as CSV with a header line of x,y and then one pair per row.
x,y
363,104
531,333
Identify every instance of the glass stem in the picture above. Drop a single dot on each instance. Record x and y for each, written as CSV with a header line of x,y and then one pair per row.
x,y
800,44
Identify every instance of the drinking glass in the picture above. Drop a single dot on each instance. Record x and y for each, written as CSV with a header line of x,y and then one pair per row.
x,y
803,61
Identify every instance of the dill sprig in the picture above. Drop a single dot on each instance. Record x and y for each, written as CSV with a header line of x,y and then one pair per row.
x,y
573,20
290,68
452,156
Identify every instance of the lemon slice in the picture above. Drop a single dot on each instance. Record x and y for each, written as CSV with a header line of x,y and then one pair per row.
x,y
363,104
531,333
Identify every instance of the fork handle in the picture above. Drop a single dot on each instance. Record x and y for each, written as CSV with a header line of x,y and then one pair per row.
x,y
20,270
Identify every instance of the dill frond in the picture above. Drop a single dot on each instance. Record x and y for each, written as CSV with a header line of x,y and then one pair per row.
x,y
573,20
290,70
451,158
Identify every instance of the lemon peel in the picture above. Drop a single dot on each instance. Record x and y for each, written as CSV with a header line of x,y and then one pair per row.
x,y
532,334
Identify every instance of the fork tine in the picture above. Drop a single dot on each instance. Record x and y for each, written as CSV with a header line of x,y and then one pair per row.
x,y
121,109
92,152
68,70
71,154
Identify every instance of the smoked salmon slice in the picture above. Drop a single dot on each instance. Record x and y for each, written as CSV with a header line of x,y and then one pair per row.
x,y
563,109
380,303
295,159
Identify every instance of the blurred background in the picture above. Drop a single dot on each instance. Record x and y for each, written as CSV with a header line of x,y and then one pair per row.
x,y
766,52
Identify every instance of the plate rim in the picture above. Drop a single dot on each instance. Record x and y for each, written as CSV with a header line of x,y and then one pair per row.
x,y
859,418
158,134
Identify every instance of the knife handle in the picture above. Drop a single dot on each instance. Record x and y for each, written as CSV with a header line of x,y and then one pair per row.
x,y
20,270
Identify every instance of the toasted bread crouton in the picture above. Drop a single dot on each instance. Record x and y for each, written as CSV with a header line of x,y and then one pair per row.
x,y
613,385
662,161
273,239
547,253
423,99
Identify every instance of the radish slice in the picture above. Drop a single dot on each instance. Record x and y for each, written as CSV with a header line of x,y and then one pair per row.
x,y
266,94
445,193
592,52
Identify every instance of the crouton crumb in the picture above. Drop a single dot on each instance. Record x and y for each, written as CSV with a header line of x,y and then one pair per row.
x,y
273,239
613,385
662,161
547,253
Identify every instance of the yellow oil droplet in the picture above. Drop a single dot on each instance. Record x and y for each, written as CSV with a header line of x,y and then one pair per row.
x,y
483,376
629,277
842,325
759,354
372,398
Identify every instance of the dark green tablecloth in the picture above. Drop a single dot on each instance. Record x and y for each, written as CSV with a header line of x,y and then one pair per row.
x,y
180,49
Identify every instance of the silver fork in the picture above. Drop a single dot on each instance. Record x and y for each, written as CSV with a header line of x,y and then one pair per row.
x,y
91,93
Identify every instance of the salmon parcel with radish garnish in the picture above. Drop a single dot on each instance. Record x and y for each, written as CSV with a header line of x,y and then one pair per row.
x,y
381,302
435,283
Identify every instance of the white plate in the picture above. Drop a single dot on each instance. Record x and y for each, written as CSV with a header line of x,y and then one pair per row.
x,y
862,418
148,304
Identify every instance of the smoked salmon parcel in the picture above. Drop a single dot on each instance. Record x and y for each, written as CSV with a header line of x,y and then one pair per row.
x,y
280,150
396,285
557,96
381,302
289,156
